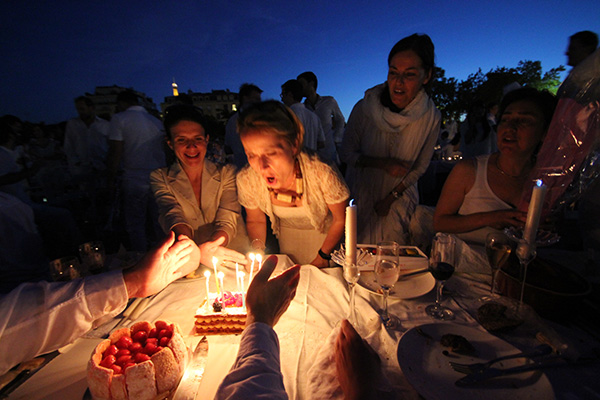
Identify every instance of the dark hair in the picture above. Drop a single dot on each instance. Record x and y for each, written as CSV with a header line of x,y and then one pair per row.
x,y
294,87
84,99
128,96
183,112
272,117
586,38
421,45
309,77
6,132
248,88
545,100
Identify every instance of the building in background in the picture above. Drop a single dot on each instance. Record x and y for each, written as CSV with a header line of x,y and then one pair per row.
x,y
218,104
105,100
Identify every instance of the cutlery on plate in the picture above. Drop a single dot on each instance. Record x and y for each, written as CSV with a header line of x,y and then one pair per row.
x,y
489,373
188,387
541,350
413,273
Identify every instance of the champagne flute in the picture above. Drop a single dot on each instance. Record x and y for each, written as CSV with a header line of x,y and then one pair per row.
x,y
387,272
441,266
498,248
351,275
526,252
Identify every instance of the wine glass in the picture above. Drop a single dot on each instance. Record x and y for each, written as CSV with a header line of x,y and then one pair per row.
x,y
441,266
387,272
498,248
93,255
351,275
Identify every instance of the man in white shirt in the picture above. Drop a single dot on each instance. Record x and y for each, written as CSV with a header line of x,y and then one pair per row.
x,y
136,146
325,107
314,137
86,139
52,314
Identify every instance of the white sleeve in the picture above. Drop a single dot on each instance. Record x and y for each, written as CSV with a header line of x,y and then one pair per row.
x,y
256,373
41,317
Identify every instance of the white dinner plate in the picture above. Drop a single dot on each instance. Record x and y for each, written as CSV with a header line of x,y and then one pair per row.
x,y
403,289
429,371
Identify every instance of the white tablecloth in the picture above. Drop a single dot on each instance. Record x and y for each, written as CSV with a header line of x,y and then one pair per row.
x,y
321,302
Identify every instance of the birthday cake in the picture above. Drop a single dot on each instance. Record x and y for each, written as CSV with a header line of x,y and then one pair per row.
x,y
142,362
218,316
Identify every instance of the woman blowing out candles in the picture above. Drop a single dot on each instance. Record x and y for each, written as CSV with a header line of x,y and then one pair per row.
x,y
304,197
480,194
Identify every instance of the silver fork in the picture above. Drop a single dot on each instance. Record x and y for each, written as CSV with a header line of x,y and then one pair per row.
x,y
540,350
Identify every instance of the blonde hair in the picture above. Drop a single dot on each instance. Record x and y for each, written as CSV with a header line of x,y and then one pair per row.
x,y
272,117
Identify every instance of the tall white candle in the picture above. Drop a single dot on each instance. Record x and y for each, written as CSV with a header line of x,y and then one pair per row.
x,y
534,212
237,277
351,233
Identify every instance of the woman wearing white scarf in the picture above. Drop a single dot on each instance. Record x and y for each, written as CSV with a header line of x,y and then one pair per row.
x,y
389,141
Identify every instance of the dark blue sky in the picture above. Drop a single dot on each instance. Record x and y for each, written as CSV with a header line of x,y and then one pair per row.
x,y
55,51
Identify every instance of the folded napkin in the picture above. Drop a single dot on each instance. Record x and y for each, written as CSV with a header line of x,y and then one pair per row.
x,y
322,376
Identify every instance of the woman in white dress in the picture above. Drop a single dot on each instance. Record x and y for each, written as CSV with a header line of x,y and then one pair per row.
x,y
304,197
480,194
389,141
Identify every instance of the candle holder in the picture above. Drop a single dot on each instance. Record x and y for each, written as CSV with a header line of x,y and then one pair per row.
x,y
351,275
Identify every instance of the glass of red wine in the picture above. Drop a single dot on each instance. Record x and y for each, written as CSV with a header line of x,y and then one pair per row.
x,y
441,266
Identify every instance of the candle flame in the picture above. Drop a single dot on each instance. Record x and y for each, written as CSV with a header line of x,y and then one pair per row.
x,y
351,202
252,256
221,275
259,258
539,182
241,274
215,260
207,274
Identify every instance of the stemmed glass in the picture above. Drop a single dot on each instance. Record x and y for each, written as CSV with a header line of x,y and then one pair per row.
x,y
526,252
351,275
498,248
387,273
441,266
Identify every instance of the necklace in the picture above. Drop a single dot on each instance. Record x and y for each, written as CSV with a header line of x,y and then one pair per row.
x,y
291,198
506,173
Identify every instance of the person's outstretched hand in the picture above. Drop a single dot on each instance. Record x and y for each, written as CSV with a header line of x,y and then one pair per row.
x,y
161,266
214,248
357,365
268,299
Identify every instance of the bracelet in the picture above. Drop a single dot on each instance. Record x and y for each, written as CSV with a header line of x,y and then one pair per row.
x,y
324,255
261,244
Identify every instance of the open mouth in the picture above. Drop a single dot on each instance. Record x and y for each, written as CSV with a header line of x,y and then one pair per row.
x,y
270,180
192,155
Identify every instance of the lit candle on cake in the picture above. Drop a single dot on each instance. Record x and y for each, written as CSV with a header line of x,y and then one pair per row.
x,y
215,261
221,276
534,212
252,258
259,259
207,276
351,233
241,275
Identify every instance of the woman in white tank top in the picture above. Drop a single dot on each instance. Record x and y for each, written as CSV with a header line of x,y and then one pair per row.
x,y
480,195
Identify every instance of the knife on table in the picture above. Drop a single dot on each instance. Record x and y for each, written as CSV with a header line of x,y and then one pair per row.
x,y
489,373
193,373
